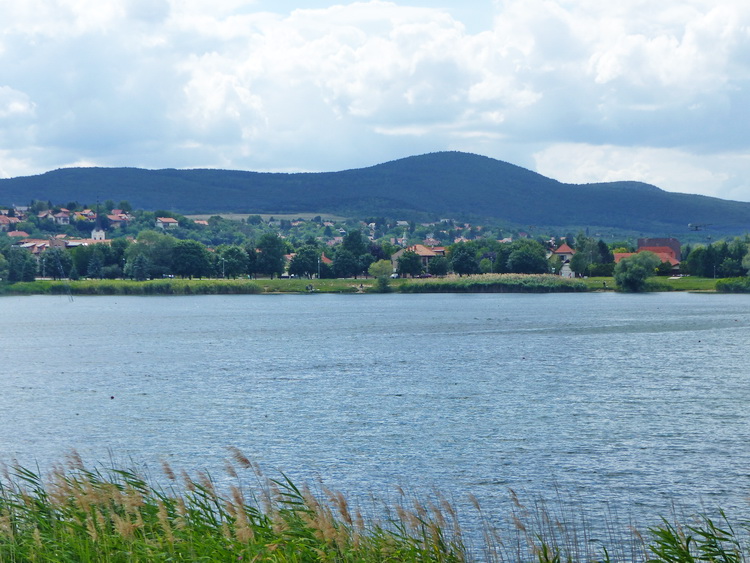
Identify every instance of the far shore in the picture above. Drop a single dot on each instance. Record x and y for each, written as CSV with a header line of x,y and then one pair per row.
x,y
486,283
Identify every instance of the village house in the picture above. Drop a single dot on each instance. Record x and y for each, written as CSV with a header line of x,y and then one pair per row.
x,y
425,254
564,253
62,217
666,249
165,223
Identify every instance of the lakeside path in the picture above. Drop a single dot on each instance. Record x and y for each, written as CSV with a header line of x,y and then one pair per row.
x,y
486,283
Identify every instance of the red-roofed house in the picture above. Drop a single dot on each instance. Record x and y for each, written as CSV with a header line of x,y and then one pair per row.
x,y
424,253
167,223
564,252
666,253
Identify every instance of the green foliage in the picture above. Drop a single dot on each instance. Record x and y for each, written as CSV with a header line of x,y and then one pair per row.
x,y
632,272
157,248
438,266
355,243
496,283
3,268
190,259
79,513
231,261
55,263
409,264
140,268
305,262
270,255
527,257
704,541
381,269
22,265
592,258
463,261
720,259
345,263
738,285
439,184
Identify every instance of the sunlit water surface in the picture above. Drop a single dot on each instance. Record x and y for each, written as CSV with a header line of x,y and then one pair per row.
x,y
636,402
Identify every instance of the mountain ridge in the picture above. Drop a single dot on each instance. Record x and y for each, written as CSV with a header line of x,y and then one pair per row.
x,y
442,184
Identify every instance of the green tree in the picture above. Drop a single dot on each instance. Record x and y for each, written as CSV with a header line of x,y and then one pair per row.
x,y
438,266
527,257
55,263
3,268
270,256
409,264
95,267
304,264
345,263
746,263
355,243
381,271
632,272
463,260
231,261
731,268
158,249
190,259
381,268
140,268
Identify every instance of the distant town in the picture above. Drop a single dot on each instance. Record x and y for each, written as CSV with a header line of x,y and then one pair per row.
x,y
112,240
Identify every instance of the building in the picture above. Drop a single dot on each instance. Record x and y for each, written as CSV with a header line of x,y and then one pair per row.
x,y
564,253
167,223
670,246
425,254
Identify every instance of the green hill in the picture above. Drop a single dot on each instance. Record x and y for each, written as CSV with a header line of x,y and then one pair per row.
x,y
445,184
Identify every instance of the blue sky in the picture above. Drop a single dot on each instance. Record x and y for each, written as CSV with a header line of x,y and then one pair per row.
x,y
578,90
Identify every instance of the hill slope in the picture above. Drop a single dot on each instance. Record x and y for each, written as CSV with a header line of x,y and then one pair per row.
x,y
442,184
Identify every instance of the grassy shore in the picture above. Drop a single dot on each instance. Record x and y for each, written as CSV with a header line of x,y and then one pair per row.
x,y
684,283
486,283
79,513
495,283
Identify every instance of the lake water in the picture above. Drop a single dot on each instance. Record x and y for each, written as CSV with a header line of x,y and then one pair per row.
x,y
631,401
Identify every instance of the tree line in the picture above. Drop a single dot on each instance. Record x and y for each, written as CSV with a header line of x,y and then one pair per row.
x,y
155,254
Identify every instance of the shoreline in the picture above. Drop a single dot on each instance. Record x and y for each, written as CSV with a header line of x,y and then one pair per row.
x,y
483,283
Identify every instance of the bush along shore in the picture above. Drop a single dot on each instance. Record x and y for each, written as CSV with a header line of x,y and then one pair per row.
x,y
127,287
80,513
496,283
482,283
487,283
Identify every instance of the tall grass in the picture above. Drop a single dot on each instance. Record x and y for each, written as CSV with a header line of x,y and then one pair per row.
x,y
495,283
76,513
92,514
733,285
127,287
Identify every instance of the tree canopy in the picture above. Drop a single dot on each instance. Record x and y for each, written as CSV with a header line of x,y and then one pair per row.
x,y
632,272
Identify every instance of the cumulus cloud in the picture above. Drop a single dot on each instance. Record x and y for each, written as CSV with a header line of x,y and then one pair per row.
x,y
578,89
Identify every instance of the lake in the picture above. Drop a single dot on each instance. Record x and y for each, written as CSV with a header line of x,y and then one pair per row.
x,y
627,401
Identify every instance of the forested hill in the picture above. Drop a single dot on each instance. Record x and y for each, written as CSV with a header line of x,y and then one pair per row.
x,y
445,184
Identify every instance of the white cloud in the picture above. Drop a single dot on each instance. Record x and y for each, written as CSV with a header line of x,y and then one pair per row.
x,y
322,85
674,170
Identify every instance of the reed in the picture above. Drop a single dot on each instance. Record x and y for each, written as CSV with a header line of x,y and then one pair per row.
x,y
128,287
733,285
495,283
79,513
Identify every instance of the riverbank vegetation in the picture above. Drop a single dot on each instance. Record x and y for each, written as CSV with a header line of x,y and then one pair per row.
x,y
81,513
483,283
316,251
495,283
